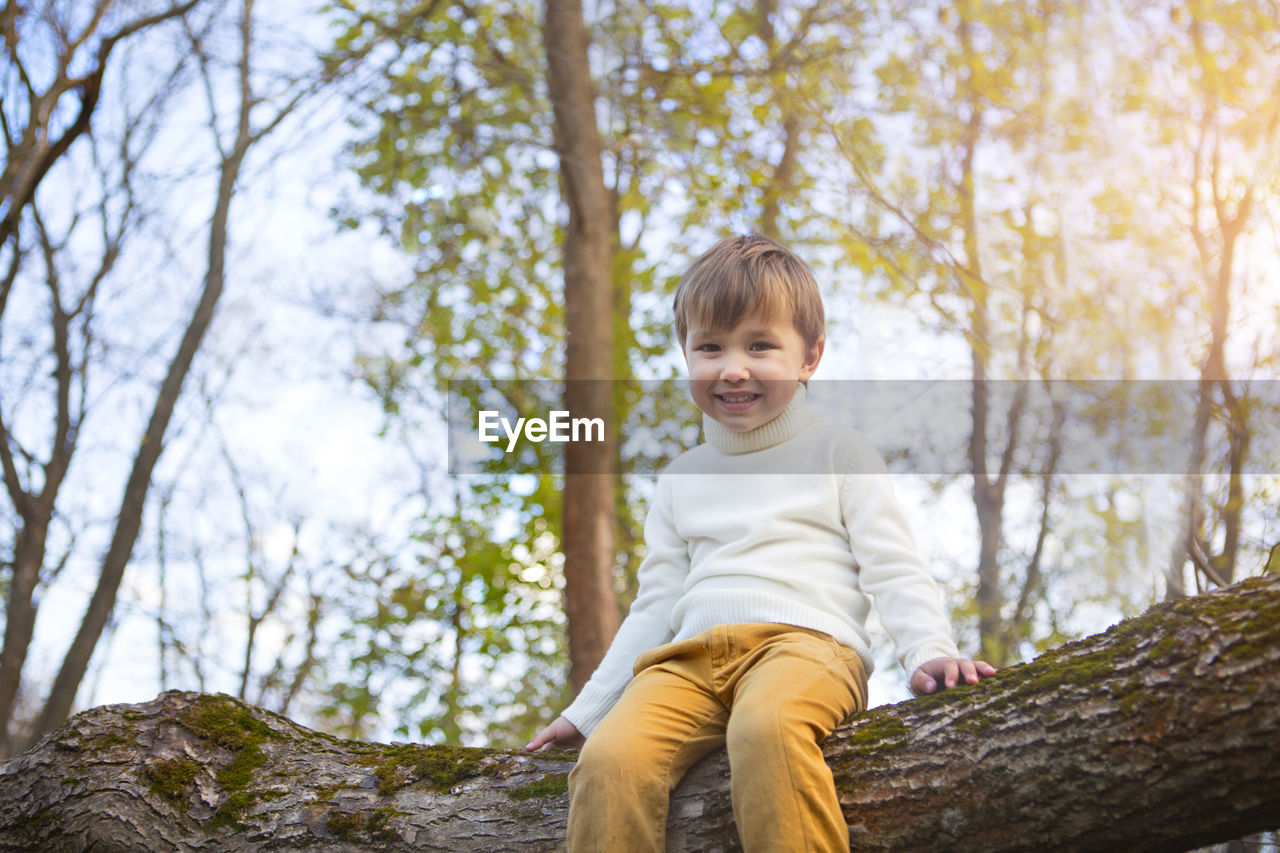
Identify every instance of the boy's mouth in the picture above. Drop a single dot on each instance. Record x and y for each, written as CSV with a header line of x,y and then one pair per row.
x,y
737,399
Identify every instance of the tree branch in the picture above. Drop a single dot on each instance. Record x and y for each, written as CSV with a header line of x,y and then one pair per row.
x,y
1159,734
90,86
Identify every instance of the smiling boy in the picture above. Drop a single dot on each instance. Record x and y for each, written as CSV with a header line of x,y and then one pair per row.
x,y
764,549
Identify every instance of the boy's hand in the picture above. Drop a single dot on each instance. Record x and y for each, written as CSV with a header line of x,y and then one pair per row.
x,y
946,672
561,734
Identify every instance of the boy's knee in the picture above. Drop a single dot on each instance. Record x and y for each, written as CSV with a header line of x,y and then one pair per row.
x,y
615,802
611,761
768,733
753,732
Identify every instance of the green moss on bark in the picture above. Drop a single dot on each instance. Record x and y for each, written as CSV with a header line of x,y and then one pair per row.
x,y
171,778
225,722
549,785
877,731
353,826
438,767
231,726
344,825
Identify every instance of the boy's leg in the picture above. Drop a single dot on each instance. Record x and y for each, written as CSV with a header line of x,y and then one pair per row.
x,y
795,687
665,721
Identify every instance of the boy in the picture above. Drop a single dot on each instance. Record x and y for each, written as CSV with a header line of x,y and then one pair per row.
x,y
749,626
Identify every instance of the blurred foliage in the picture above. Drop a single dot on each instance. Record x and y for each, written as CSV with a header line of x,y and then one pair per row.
x,y
457,149
457,599
1019,175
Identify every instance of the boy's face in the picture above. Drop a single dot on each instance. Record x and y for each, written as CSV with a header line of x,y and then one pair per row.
x,y
745,376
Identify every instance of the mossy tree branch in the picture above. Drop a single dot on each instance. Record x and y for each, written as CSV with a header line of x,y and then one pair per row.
x,y
1159,734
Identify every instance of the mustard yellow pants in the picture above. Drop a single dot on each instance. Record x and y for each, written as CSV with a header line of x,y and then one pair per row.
x,y
770,693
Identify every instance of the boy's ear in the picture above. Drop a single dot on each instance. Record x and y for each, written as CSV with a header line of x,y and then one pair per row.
x,y
812,358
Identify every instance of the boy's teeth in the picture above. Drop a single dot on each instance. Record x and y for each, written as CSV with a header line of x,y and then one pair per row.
x,y
737,398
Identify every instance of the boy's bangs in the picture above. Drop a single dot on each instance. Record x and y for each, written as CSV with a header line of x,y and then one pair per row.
x,y
717,305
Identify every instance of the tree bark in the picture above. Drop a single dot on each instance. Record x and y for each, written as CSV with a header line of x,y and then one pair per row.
x,y
1159,734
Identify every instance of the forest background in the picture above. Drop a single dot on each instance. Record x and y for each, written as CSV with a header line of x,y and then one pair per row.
x,y
249,250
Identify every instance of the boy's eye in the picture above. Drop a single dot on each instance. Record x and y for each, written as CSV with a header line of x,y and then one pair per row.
x,y
762,345
708,348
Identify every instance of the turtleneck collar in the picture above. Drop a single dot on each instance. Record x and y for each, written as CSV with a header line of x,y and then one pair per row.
x,y
789,422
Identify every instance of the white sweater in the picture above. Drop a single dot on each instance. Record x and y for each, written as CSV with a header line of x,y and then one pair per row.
x,y
794,522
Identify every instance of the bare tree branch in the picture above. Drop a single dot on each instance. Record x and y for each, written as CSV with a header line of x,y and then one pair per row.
x,y
19,188
129,517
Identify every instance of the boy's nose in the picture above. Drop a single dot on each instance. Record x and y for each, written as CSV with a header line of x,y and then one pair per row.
x,y
734,370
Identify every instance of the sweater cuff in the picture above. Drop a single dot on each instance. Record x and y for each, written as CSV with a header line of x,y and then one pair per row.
x,y
926,653
589,708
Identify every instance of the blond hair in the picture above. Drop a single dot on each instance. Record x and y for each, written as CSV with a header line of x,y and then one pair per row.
x,y
742,275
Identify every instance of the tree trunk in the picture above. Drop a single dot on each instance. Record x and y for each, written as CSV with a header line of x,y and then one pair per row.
x,y
1159,734
590,516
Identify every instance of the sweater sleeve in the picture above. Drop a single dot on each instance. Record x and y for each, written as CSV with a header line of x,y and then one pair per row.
x,y
890,568
661,579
